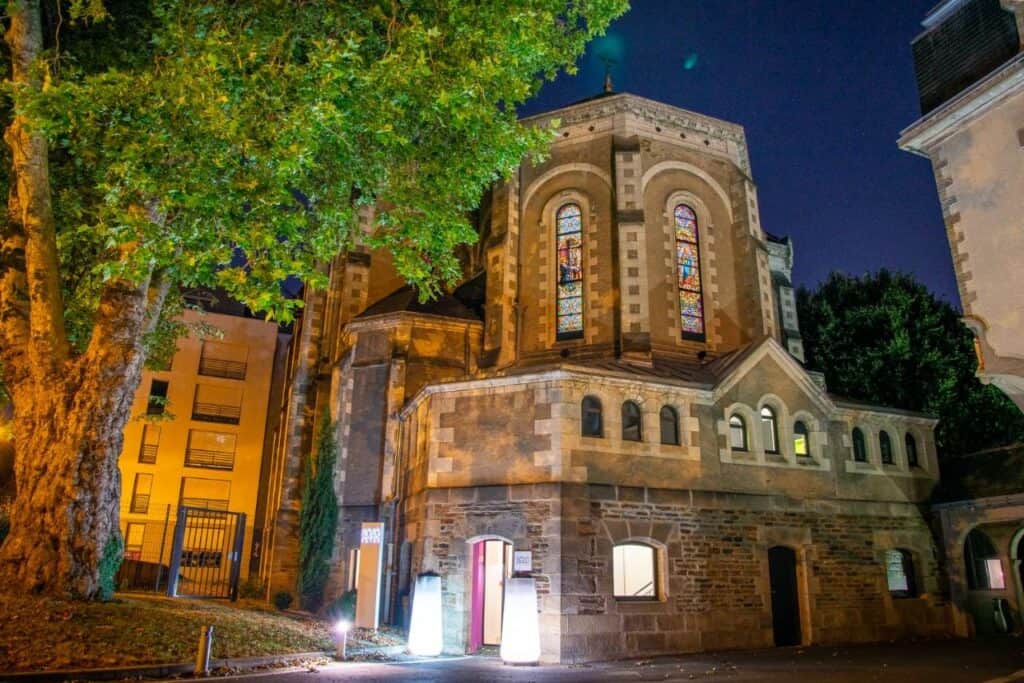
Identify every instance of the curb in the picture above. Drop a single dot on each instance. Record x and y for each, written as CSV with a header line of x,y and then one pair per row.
x,y
155,670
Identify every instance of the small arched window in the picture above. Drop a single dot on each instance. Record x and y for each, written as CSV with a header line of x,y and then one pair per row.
x,y
569,252
899,573
634,571
911,445
984,567
669,419
885,447
860,449
769,430
691,301
737,433
632,429
801,439
591,422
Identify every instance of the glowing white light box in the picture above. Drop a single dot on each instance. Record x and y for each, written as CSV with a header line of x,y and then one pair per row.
x,y
426,636
520,629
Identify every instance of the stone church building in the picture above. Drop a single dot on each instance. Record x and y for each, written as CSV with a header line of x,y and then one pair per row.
x,y
616,389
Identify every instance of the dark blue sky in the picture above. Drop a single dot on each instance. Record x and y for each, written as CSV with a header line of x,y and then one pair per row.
x,y
823,88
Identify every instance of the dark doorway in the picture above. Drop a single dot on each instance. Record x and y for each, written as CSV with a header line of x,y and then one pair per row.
x,y
785,596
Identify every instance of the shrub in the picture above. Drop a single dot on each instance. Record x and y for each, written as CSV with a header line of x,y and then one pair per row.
x,y
318,518
343,607
283,600
253,587
110,562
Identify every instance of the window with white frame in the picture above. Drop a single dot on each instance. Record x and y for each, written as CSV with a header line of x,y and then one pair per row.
x,y
737,433
634,571
769,430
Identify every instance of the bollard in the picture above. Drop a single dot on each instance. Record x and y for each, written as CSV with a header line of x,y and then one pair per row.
x,y
341,630
205,648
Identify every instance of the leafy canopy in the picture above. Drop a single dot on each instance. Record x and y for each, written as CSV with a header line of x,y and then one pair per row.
x,y
886,339
234,144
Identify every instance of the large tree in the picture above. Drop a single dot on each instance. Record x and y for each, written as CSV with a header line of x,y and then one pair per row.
x,y
886,339
167,143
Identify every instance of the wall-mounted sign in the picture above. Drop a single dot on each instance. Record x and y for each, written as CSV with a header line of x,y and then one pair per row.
x,y
522,561
371,535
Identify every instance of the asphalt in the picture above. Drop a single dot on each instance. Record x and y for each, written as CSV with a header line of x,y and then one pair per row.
x,y
996,661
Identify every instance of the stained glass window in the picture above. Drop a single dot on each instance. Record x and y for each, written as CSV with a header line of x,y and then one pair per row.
x,y
691,304
569,305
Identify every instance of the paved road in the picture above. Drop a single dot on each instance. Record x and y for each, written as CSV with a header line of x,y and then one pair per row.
x,y
930,662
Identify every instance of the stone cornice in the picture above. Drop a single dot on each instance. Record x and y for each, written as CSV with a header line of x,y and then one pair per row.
x,y
924,135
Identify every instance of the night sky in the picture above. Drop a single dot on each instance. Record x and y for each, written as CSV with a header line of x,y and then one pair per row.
x,y
823,89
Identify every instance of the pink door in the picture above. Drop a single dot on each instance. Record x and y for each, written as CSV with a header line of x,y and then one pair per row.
x,y
476,626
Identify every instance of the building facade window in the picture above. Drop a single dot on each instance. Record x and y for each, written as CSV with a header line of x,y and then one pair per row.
x,y
157,402
150,444
669,419
860,450
691,298
634,571
769,430
801,439
737,433
899,573
141,490
911,445
632,422
885,447
983,564
134,536
591,422
569,248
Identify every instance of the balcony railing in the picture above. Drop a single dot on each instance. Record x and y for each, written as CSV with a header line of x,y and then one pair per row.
x,y
140,503
213,460
216,412
216,367
207,503
147,453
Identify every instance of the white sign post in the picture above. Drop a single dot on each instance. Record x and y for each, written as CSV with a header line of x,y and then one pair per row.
x,y
371,556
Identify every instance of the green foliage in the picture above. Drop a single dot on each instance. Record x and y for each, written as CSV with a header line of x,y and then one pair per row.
x,y
110,562
253,588
235,144
283,600
884,338
318,518
343,607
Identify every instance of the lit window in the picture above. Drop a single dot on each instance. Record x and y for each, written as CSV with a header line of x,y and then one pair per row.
x,y
632,428
569,303
885,447
801,439
133,538
860,451
669,426
591,423
899,573
691,302
157,397
769,430
633,571
737,433
911,444
984,567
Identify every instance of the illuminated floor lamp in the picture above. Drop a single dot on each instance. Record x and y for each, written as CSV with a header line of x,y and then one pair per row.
x,y
426,636
520,627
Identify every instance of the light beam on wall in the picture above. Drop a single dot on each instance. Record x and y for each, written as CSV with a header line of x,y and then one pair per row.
x,y
426,636
520,628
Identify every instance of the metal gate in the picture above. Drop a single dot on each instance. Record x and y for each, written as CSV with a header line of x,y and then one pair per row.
x,y
206,554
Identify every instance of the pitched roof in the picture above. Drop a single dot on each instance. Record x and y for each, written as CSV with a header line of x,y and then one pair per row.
x,y
465,303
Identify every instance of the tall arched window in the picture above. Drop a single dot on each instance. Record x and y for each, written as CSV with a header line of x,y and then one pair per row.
x,y
885,447
769,430
983,564
860,450
801,439
691,303
911,445
669,419
569,303
632,429
737,433
591,422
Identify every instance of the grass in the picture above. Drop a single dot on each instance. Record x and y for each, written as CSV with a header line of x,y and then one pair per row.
x,y
38,633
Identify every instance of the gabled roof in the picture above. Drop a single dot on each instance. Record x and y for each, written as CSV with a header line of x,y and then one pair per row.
x,y
465,303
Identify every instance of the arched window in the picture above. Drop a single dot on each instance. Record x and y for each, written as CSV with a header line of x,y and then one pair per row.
x,y
591,422
860,449
669,419
801,439
984,567
632,429
691,302
885,447
899,573
769,430
634,571
737,433
569,303
911,445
